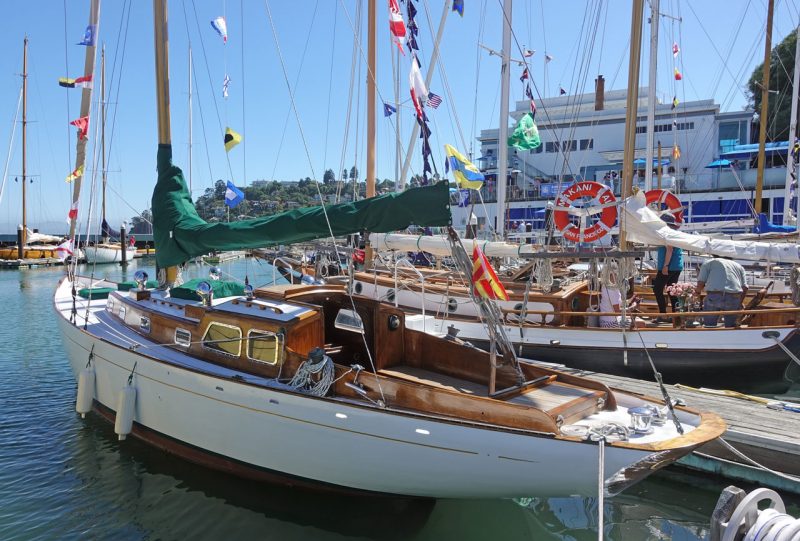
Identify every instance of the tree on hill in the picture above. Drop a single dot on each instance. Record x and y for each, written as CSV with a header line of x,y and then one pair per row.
x,y
329,176
781,71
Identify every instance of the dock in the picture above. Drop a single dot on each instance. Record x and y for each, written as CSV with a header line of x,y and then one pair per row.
x,y
13,264
768,436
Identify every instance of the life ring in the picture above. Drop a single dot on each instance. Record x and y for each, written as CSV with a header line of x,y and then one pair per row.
x,y
665,197
564,208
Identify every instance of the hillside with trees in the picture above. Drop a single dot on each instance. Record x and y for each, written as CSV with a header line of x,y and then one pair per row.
x,y
781,70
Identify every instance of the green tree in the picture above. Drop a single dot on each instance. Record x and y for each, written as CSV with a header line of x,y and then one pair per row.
x,y
219,189
353,173
329,176
781,69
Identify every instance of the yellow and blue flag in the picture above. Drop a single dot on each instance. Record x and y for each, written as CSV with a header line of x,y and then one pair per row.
x,y
466,174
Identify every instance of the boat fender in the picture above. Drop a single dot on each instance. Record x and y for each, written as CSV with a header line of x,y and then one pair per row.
x,y
592,320
126,404
83,403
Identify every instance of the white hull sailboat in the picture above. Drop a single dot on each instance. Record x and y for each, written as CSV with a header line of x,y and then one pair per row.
x,y
258,427
316,387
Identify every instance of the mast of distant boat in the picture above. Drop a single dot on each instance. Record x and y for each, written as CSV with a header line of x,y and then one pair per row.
x,y
762,119
791,165
24,231
104,232
502,136
631,110
651,96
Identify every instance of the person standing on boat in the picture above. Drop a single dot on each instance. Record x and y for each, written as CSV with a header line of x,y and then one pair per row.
x,y
724,282
668,269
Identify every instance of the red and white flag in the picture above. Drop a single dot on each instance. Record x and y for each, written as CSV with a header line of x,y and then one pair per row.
x,y
73,212
419,93
396,25
82,124
64,250
675,50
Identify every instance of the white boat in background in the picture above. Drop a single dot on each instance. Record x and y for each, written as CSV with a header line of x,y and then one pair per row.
x,y
103,253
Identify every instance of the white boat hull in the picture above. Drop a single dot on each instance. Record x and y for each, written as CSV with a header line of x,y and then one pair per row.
x,y
196,406
103,254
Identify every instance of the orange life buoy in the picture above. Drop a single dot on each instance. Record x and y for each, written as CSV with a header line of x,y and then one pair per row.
x,y
666,197
564,207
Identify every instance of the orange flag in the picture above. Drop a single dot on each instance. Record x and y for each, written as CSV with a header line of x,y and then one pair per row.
x,y
484,279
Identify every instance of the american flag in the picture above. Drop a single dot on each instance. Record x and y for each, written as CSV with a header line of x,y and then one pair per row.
x,y
433,100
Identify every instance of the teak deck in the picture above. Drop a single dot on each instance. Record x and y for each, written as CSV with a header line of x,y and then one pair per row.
x,y
770,437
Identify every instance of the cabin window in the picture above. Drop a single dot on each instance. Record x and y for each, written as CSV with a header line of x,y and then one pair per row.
x,y
122,312
349,320
265,347
222,338
183,338
144,324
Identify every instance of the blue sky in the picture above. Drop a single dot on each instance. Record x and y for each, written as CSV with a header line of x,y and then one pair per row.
x,y
720,44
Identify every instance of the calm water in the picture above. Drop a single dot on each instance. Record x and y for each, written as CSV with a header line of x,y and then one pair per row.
x,y
62,477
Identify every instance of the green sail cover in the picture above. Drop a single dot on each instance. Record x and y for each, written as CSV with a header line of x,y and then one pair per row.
x,y
181,234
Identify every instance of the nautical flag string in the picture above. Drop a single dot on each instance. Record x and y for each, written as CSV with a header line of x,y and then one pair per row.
x,y
233,195
226,82
73,211
76,174
524,75
419,93
89,36
561,91
484,280
396,25
83,126
675,50
548,58
413,29
527,53
83,82
231,139
220,27
678,75
433,100
458,6
675,102
388,110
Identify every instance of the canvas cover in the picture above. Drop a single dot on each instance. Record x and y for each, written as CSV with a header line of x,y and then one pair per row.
x,y
181,234
221,288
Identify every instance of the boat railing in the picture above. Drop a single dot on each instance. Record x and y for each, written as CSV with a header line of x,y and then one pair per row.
x,y
404,262
286,263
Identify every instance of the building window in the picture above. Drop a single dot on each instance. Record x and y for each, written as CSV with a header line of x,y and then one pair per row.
x,y
587,144
265,347
225,339
550,147
641,129
571,145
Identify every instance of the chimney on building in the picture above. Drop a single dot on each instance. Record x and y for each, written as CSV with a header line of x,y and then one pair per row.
x,y
599,93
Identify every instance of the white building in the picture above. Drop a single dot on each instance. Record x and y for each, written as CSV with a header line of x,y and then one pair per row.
x,y
582,139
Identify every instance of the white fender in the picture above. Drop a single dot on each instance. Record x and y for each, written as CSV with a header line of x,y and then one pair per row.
x,y
83,403
126,405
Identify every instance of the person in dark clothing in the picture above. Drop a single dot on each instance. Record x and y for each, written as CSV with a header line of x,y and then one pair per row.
x,y
669,268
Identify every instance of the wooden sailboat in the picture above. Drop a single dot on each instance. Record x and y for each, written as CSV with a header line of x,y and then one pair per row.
x,y
270,383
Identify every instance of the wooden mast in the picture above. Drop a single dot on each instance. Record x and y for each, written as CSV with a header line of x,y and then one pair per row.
x,y
632,108
103,134
791,165
86,103
651,96
161,38
762,119
24,233
371,92
502,133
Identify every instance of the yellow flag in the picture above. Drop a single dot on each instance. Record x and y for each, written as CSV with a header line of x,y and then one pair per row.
x,y
231,139
76,174
676,152
466,174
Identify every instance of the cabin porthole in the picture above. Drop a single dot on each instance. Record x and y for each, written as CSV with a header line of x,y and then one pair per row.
x,y
358,288
452,304
390,295
394,322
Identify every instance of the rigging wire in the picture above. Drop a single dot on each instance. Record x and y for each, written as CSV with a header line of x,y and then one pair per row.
x,y
330,89
316,184
11,144
244,103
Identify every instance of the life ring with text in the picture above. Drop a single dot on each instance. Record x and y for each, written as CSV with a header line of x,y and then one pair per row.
x,y
564,208
665,197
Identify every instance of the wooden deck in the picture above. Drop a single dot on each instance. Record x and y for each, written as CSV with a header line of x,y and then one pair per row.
x,y
770,437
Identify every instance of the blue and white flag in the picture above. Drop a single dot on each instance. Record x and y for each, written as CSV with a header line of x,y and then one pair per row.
x,y
233,195
221,28
226,82
463,198
89,36
388,110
